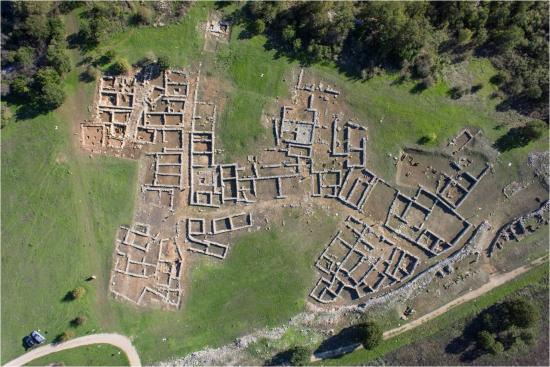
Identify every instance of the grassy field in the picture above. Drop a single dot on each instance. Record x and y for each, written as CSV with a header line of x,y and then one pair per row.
x,y
396,117
182,42
93,355
60,210
263,282
443,322
257,78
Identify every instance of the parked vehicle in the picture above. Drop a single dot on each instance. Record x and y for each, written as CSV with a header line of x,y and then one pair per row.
x,y
37,337
29,342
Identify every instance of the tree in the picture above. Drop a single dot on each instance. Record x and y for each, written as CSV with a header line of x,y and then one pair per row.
x,y
19,87
258,26
371,334
120,66
77,293
24,57
464,36
522,313
299,356
57,58
497,348
486,340
47,90
163,62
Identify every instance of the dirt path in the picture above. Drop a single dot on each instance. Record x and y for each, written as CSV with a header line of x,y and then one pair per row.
x,y
119,341
495,281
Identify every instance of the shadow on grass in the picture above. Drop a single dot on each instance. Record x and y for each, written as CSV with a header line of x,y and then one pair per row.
x,y
280,359
346,337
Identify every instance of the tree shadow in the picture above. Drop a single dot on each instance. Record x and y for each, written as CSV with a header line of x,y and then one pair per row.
x,y
514,138
344,338
280,359
418,88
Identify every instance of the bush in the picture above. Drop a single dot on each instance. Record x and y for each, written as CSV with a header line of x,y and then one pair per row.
x,y
299,356
522,313
456,92
121,66
371,334
65,336
258,27
143,16
428,138
497,348
498,79
7,115
428,82
79,321
527,337
464,35
423,66
486,340
89,75
77,293
163,63
476,88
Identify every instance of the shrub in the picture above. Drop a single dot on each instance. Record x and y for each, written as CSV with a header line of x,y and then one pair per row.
x,y
522,313
64,336
428,82
423,66
476,88
428,138
143,15
89,75
486,340
299,356
371,334
163,63
258,27
121,66
497,348
498,79
464,35
527,337
77,293
79,320
456,92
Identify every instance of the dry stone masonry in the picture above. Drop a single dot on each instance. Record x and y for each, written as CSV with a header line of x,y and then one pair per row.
x,y
190,203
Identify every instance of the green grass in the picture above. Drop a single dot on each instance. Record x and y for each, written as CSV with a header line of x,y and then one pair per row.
x,y
406,116
262,283
465,310
257,78
93,355
60,211
182,42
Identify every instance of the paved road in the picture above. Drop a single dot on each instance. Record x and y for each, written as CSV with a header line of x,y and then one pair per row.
x,y
119,341
495,281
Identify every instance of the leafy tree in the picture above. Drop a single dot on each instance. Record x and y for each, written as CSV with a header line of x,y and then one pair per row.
x,y
300,356
464,35
258,26
47,90
163,62
120,66
486,340
521,312
24,57
58,58
19,86
371,334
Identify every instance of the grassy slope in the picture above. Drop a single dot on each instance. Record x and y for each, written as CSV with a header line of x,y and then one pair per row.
x,y
406,116
263,282
182,41
93,355
446,320
60,210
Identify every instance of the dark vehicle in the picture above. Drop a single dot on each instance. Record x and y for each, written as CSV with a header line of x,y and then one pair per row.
x,y
37,337
28,342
